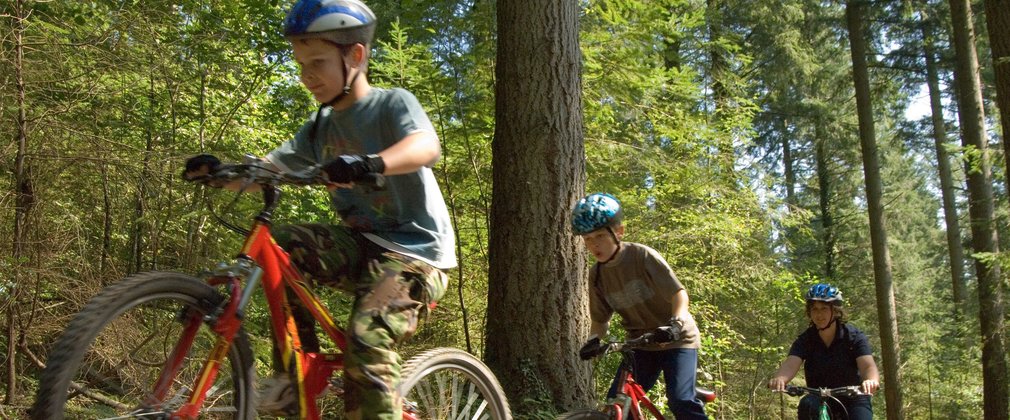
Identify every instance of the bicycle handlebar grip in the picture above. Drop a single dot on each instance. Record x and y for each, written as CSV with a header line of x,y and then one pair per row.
x,y
371,179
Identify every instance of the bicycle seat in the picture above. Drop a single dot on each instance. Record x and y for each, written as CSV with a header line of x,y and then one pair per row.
x,y
705,395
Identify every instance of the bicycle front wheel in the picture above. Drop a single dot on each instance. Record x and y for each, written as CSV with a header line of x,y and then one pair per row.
x,y
107,362
447,383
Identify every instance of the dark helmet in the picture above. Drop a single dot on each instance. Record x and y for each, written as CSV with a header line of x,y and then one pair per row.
x,y
342,22
596,211
824,292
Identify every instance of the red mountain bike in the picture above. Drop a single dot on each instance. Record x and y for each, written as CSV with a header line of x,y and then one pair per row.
x,y
631,401
165,345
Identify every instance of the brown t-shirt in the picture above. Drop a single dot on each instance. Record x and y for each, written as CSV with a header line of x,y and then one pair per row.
x,y
639,285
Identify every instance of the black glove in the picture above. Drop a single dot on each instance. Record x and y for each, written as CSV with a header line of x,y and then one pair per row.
x,y
674,331
198,165
592,348
349,168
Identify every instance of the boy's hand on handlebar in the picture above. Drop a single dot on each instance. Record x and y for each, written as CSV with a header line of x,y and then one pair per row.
x,y
592,348
870,386
200,165
674,331
348,168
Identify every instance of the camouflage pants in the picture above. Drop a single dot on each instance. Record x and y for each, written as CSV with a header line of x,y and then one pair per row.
x,y
391,292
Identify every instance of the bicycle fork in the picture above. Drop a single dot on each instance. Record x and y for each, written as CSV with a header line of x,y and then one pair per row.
x,y
225,321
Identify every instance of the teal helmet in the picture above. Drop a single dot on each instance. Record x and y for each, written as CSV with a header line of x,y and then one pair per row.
x,y
824,292
596,211
342,22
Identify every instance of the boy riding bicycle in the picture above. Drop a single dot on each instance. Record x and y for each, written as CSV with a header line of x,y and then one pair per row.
x,y
393,243
636,282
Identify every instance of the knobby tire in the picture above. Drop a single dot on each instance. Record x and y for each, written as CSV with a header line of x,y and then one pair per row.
x,y
447,383
109,357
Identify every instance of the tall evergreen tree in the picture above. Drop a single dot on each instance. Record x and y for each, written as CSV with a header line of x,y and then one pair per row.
x,y
997,17
985,241
537,297
955,251
874,195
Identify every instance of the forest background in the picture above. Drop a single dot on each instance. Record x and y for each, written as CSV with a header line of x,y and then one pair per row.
x,y
731,130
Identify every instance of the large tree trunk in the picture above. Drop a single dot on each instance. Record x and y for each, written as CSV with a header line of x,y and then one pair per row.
x,y
997,17
878,232
955,250
980,207
538,294
22,205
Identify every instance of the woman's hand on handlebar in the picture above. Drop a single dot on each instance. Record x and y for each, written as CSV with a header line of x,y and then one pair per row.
x,y
778,383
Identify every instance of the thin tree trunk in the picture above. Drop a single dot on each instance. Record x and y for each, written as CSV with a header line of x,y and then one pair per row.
x,y
140,206
787,165
23,203
980,207
955,250
824,201
538,293
720,94
878,232
106,220
997,17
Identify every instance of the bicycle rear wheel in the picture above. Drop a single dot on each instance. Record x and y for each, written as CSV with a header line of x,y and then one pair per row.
x,y
106,363
447,383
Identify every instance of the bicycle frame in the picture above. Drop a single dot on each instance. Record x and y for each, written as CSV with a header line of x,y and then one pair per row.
x,y
636,399
631,401
261,261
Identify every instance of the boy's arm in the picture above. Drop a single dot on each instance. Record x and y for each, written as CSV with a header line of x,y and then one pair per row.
x,y
680,304
599,329
411,153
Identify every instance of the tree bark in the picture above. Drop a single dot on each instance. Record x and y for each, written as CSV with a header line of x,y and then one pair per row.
x,y
984,239
997,17
878,233
955,251
538,293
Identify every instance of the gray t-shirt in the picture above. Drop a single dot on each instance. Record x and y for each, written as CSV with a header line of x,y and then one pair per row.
x,y
409,215
639,285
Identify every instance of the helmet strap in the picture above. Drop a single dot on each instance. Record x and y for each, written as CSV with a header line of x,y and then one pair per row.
x,y
618,241
833,319
347,83
346,91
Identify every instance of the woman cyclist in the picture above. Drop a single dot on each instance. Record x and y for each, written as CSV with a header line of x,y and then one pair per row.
x,y
833,354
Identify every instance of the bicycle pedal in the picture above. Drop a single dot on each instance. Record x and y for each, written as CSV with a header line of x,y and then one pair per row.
x,y
336,385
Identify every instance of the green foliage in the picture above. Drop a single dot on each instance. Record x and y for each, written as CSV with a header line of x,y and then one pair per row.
x,y
118,94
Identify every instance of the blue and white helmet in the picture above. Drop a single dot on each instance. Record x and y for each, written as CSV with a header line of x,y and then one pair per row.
x,y
824,292
596,211
342,22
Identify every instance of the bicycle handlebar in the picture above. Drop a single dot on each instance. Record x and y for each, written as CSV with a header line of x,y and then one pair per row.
x,y
634,343
254,173
845,391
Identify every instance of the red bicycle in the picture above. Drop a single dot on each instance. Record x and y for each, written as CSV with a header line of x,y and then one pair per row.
x,y
165,345
631,401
